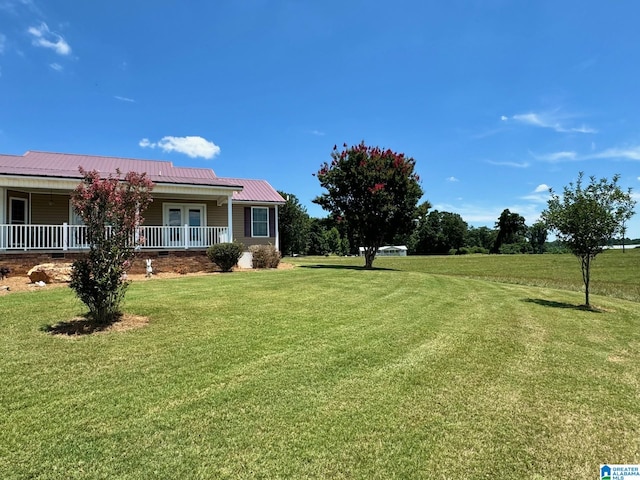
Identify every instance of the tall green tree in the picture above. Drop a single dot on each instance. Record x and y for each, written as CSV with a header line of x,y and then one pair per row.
x,y
375,191
293,225
334,241
537,236
318,244
438,233
587,216
511,229
484,237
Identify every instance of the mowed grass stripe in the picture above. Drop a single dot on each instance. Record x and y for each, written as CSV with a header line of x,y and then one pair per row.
x,y
614,273
318,373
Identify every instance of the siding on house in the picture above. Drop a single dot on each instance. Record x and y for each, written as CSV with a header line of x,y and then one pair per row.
x,y
44,214
238,228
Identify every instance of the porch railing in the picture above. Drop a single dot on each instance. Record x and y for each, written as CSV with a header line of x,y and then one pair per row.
x,y
74,237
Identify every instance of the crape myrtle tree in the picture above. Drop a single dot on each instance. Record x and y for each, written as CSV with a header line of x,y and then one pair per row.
x,y
374,191
587,217
112,212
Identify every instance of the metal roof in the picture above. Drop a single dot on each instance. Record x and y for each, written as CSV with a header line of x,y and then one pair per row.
x,y
65,165
254,190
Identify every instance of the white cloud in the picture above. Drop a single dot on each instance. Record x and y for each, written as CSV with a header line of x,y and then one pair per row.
x,y
629,153
625,153
549,120
124,99
192,146
504,118
509,164
13,6
531,119
557,156
452,179
581,129
539,195
317,133
43,37
56,66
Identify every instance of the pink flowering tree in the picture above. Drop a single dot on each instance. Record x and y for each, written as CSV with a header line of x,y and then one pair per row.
x,y
374,191
111,210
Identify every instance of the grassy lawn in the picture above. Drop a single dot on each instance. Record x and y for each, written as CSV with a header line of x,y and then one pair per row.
x,y
413,371
613,273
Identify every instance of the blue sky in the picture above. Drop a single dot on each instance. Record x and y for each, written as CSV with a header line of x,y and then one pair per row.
x,y
496,100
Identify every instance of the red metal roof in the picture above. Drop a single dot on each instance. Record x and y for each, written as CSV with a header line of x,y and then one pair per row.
x,y
65,165
254,190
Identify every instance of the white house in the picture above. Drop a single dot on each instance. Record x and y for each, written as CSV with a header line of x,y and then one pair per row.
x,y
389,251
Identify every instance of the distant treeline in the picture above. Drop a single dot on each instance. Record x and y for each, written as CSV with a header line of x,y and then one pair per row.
x,y
627,241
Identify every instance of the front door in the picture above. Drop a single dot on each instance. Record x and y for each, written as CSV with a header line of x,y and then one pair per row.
x,y
176,217
17,217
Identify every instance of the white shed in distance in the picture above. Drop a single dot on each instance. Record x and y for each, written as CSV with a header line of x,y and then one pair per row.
x,y
388,251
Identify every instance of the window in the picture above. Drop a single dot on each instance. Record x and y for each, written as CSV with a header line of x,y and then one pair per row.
x,y
259,222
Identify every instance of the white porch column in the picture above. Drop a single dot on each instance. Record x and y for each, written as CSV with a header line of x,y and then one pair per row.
x,y
3,205
229,219
3,216
277,231
65,236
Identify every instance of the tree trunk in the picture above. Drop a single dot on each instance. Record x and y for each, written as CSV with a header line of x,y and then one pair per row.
x,y
369,257
586,274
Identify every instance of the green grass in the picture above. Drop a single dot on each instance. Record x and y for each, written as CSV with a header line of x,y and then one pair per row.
x,y
614,273
323,373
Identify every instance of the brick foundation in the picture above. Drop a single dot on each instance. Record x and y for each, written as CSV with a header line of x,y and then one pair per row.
x,y
183,261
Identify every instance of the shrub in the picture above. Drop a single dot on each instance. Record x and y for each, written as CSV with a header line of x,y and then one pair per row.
x,y
225,255
112,213
265,256
557,250
515,248
453,251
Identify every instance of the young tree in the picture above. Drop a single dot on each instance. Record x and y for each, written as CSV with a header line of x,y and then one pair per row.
x,y
374,191
112,212
587,217
293,222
